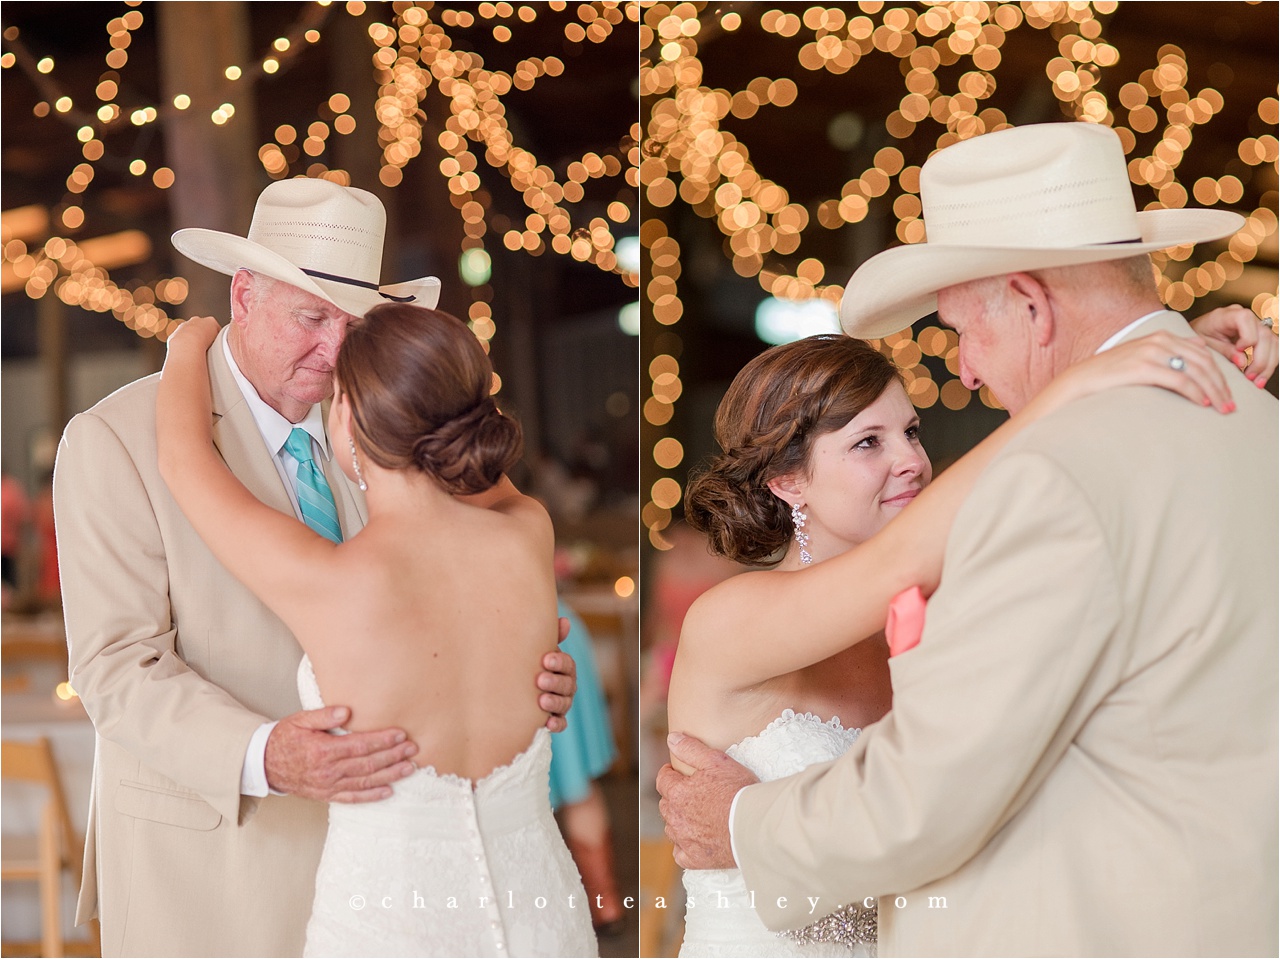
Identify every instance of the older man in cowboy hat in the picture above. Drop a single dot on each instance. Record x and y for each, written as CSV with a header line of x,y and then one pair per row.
x,y
203,836
1081,755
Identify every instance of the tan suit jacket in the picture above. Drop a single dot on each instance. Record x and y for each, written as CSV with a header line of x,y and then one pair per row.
x,y
177,664
1081,755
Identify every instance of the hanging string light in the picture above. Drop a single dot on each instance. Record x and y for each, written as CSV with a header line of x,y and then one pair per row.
x,y
689,156
416,52
66,267
663,256
69,271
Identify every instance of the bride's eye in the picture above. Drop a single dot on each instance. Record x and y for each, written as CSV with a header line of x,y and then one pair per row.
x,y
913,432
867,443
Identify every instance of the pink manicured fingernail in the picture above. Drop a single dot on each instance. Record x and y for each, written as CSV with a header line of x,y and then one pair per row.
x,y
1207,401
1261,381
1229,408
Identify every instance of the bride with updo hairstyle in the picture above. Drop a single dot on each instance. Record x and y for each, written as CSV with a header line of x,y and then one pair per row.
x,y
776,407
430,619
419,383
822,479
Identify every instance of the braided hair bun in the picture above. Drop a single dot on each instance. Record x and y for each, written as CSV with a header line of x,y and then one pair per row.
x,y
418,382
774,409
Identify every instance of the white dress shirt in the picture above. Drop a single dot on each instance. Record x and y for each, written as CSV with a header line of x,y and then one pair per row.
x,y
275,430
1119,335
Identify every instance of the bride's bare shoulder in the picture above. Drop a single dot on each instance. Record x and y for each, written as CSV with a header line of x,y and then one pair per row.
x,y
715,664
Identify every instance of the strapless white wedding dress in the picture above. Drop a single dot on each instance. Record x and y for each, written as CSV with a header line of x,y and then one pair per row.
x,y
448,867
721,920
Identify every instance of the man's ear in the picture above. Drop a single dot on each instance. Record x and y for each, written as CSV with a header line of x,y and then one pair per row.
x,y
1035,305
790,489
241,297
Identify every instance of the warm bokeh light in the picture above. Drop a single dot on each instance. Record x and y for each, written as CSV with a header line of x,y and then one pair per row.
x,y
668,453
415,53
693,157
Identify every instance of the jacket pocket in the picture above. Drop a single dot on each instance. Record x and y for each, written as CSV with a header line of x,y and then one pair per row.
x,y
156,804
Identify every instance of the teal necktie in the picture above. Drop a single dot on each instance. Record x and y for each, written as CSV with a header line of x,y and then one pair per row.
x,y
314,496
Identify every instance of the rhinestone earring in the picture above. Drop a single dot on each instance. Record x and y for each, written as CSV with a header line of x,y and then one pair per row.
x,y
355,464
802,538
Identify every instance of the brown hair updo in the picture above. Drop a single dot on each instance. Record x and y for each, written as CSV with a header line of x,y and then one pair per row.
x,y
418,383
774,409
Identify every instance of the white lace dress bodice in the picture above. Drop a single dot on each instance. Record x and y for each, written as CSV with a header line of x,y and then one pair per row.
x,y
449,867
721,920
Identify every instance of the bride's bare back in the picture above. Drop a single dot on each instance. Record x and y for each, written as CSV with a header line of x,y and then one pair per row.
x,y
435,616
435,623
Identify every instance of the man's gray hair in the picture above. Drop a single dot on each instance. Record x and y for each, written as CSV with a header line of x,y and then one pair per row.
x,y
1136,274
261,285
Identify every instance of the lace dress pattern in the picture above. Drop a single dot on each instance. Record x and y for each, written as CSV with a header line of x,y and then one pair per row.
x,y
721,920
448,867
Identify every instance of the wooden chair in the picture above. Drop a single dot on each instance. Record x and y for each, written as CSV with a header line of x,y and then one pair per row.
x,y
20,658
43,857
20,683
25,649
661,930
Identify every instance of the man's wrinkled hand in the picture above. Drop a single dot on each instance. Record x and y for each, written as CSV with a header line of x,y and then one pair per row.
x,y
558,682
303,759
696,806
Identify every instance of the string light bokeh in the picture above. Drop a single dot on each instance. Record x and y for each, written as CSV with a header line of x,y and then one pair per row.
x,y
424,71
951,61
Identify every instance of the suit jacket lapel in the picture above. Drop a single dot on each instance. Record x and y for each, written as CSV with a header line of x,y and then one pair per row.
x,y
236,435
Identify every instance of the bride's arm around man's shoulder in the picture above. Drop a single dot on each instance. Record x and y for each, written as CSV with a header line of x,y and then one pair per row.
x,y
503,498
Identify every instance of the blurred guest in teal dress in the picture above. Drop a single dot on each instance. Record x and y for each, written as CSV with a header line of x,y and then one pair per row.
x,y
580,755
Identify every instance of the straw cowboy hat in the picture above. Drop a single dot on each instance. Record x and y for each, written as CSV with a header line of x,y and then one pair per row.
x,y
315,235
1026,198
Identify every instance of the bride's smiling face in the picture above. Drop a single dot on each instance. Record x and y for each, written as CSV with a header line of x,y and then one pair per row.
x,y
861,476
